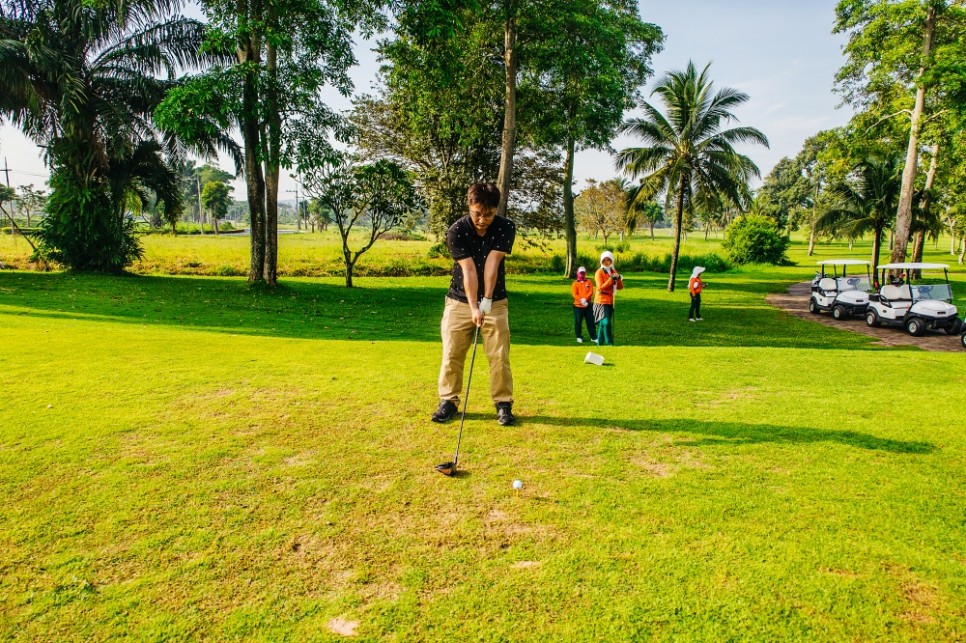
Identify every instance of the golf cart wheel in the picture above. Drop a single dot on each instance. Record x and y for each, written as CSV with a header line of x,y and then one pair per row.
x,y
812,306
838,312
963,339
915,327
872,318
954,327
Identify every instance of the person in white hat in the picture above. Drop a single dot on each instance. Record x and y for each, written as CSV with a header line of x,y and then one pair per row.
x,y
583,293
695,286
608,282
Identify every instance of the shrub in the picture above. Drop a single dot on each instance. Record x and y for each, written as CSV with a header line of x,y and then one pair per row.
x,y
755,239
622,246
229,271
82,230
438,250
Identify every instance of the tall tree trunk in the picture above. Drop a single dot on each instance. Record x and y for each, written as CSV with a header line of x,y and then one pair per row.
x,y
952,235
811,241
652,229
876,248
570,219
511,62
904,212
201,207
254,180
918,246
919,238
272,166
678,219
347,258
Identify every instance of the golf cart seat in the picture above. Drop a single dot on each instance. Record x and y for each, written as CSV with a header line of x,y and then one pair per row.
x,y
896,293
827,285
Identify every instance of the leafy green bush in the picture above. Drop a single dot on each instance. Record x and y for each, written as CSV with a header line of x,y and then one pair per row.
x,y
82,230
438,250
755,239
229,271
622,246
642,262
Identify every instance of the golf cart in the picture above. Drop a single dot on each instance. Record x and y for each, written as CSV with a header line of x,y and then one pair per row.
x,y
924,305
833,289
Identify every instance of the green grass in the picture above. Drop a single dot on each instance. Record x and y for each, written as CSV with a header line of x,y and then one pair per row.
x,y
187,458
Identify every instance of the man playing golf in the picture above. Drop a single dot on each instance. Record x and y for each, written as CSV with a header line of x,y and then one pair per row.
x,y
477,299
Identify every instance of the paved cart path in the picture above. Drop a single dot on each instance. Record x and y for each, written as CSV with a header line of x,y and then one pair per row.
x,y
795,302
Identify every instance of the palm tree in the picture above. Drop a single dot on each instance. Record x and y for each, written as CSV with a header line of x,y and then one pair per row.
x,y
688,156
83,80
865,202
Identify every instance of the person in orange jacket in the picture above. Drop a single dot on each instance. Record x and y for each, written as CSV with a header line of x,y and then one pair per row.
x,y
583,293
608,281
695,286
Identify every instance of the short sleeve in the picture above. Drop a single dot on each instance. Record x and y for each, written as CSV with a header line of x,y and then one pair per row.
x,y
456,243
505,236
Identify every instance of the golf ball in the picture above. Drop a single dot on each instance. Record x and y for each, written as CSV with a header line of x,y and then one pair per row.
x,y
517,484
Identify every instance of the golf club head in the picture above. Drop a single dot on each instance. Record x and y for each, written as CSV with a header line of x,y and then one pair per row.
x,y
446,468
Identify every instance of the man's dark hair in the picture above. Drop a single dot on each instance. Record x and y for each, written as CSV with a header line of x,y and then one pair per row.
x,y
485,194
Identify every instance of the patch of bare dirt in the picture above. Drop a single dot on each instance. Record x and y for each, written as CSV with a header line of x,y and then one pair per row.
x,y
795,302
343,626
526,564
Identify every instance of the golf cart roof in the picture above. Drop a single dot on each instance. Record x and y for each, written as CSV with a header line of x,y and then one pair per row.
x,y
843,262
914,266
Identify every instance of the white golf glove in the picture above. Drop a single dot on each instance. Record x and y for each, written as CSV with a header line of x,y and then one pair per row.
x,y
583,302
486,305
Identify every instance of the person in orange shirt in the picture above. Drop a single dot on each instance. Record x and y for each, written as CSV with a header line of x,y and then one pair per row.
x,y
583,292
608,281
695,286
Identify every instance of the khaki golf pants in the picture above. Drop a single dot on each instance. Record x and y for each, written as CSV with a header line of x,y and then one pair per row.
x,y
457,330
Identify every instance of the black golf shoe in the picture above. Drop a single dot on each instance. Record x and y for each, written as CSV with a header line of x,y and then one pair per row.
x,y
504,413
446,412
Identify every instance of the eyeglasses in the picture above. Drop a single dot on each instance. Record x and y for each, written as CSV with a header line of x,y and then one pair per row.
x,y
482,214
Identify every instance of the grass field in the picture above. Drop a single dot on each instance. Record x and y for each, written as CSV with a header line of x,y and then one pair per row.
x,y
186,458
320,254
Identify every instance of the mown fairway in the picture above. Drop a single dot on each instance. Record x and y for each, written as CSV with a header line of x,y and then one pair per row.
x,y
186,458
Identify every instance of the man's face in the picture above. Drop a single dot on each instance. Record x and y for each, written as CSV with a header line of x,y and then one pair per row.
x,y
482,216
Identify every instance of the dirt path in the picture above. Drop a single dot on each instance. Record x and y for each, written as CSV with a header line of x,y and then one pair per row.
x,y
795,302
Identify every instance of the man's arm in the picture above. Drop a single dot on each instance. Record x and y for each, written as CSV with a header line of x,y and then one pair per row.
x,y
490,271
471,288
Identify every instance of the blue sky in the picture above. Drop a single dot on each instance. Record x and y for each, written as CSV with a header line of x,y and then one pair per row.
x,y
780,52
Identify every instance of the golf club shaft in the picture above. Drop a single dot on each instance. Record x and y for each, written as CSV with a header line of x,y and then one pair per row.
x,y
466,398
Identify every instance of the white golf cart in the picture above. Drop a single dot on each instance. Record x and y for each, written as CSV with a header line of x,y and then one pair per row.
x,y
833,289
924,305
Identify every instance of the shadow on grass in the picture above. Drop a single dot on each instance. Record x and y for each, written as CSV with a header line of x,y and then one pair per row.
x,y
734,433
408,310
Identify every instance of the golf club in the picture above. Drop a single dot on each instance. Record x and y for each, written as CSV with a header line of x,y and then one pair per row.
x,y
449,468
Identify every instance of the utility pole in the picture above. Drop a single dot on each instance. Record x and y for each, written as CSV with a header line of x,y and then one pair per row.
x,y
298,213
201,209
13,225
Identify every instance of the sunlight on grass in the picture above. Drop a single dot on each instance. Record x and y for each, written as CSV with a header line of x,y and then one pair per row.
x,y
190,458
